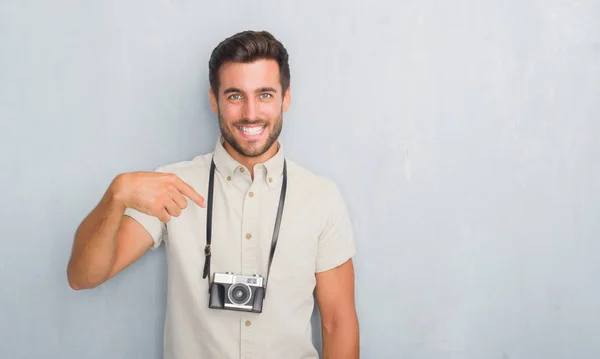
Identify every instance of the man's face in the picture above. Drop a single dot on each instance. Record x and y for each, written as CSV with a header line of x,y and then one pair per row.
x,y
250,106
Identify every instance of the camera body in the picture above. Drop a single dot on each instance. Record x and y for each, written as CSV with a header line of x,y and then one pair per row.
x,y
237,292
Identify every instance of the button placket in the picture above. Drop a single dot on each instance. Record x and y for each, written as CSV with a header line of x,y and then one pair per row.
x,y
248,338
249,227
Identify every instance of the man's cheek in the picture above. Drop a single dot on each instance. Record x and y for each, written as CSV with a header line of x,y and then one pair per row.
x,y
230,113
270,112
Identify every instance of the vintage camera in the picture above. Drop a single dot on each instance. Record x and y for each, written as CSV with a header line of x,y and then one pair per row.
x,y
237,292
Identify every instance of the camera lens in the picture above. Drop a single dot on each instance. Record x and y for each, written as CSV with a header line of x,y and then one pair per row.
x,y
239,293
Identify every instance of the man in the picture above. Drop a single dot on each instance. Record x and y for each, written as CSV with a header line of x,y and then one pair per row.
x,y
250,89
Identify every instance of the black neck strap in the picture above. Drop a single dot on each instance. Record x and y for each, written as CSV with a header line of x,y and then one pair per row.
x,y
207,248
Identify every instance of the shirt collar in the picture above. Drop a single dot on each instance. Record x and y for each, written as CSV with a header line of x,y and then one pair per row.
x,y
229,167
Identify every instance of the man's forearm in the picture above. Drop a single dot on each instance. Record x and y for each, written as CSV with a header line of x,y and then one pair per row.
x,y
94,245
341,339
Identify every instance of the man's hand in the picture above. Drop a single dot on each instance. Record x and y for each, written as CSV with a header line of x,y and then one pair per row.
x,y
161,195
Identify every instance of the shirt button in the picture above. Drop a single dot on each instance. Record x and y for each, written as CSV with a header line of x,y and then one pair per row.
x,y
229,178
270,179
248,236
251,194
242,169
248,323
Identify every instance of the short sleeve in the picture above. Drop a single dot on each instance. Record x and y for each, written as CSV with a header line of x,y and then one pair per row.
x,y
336,242
151,224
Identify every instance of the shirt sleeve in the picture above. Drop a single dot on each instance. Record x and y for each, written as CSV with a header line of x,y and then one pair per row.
x,y
151,224
336,242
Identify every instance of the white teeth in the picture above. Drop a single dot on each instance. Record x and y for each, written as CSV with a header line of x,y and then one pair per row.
x,y
252,131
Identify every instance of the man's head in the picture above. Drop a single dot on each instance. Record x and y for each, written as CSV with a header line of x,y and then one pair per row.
x,y
249,78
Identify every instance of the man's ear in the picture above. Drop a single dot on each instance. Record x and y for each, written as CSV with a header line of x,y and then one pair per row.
x,y
213,101
287,98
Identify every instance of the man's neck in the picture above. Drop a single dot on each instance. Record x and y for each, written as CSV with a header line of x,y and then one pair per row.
x,y
250,162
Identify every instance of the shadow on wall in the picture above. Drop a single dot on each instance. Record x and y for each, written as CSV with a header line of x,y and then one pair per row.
x,y
316,328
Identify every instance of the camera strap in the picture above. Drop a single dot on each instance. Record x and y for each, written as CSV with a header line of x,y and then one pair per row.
x,y
207,248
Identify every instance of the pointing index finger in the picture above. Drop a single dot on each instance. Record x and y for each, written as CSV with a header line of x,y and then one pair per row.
x,y
189,192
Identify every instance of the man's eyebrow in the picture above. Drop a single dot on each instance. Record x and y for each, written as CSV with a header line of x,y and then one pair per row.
x,y
262,89
266,89
231,89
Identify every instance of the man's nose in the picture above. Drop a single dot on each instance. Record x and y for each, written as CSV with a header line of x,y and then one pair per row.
x,y
250,110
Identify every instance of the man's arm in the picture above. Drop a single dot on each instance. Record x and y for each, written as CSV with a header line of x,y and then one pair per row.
x,y
339,321
105,243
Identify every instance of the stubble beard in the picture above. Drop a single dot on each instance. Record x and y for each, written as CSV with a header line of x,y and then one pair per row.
x,y
252,151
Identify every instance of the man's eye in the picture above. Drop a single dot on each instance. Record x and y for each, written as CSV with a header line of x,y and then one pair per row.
x,y
265,95
235,97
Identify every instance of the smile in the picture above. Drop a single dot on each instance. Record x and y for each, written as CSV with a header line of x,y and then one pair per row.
x,y
251,131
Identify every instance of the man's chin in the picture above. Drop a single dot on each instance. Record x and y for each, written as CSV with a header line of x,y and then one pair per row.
x,y
254,152
249,148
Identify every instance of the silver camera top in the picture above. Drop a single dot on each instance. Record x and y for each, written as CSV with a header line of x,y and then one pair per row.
x,y
231,278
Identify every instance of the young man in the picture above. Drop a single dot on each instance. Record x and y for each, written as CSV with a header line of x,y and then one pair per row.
x,y
251,180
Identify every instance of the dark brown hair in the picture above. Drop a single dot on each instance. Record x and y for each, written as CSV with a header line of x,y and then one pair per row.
x,y
246,47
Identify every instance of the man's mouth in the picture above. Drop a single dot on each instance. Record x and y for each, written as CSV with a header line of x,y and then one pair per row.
x,y
251,131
